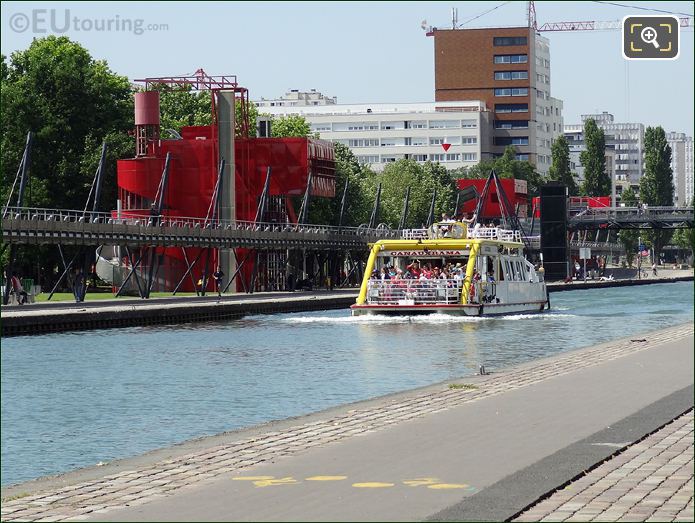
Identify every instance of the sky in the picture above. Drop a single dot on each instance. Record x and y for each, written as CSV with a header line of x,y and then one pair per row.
x,y
364,52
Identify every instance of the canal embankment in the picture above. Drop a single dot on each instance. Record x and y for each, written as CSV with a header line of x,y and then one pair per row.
x,y
46,317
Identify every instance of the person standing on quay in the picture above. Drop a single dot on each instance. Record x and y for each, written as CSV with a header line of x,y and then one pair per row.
x,y
218,275
79,286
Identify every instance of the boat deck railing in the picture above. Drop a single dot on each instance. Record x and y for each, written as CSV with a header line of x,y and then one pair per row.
x,y
438,291
494,233
446,230
414,292
415,234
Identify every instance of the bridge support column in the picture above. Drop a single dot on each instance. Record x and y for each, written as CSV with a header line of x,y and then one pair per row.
x,y
225,137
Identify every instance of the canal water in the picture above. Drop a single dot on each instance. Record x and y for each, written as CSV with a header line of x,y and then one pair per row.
x,y
76,399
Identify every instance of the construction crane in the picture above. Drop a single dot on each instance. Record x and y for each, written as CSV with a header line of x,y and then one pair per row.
x,y
586,25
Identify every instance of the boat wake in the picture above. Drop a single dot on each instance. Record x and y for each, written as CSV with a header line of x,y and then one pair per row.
x,y
429,319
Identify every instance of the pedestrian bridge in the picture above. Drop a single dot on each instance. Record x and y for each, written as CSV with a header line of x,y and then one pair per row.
x,y
69,227
632,218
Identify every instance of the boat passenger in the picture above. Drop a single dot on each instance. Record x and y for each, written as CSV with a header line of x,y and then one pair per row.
x,y
414,269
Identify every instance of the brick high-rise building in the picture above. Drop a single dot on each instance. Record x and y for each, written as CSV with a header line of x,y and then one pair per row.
x,y
508,69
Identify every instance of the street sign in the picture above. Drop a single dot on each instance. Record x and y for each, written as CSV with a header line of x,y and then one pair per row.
x,y
585,253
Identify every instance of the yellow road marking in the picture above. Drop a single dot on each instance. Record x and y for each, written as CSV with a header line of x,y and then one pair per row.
x,y
272,482
374,484
444,486
418,482
252,478
326,478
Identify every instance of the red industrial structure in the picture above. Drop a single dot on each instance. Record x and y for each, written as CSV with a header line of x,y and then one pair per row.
x,y
516,191
193,171
577,204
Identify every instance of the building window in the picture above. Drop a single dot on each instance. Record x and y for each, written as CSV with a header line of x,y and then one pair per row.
x,y
516,91
511,124
511,75
321,127
437,157
363,142
453,157
388,159
511,140
511,59
509,40
469,140
523,157
368,159
469,124
436,141
445,124
470,157
419,157
511,108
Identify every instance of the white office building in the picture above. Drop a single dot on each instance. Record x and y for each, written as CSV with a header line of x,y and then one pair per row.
x,y
455,134
549,120
682,167
297,98
626,140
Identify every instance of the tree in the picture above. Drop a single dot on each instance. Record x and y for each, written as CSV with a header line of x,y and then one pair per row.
x,y
685,239
593,159
71,102
290,125
507,166
629,237
422,179
656,185
181,107
560,169
359,202
477,171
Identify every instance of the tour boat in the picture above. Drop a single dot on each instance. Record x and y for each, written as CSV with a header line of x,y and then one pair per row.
x,y
485,273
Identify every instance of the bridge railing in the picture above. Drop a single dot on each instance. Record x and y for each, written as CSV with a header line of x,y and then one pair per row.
x,y
148,220
643,212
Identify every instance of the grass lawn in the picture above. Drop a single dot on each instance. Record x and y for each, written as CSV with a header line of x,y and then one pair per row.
x,y
68,296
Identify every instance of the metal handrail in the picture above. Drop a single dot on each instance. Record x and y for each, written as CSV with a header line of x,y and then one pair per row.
x,y
147,220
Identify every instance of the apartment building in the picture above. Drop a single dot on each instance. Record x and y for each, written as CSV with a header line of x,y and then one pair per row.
x,y
455,134
682,167
297,98
625,140
509,70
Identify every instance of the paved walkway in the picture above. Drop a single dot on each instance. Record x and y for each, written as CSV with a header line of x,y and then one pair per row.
x,y
651,480
418,453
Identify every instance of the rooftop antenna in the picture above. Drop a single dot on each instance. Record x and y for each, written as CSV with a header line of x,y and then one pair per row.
x,y
454,17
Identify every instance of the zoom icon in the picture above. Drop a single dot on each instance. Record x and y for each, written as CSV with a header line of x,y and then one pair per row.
x,y
651,37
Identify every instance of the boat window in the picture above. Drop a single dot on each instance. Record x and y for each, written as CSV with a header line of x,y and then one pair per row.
x,y
519,271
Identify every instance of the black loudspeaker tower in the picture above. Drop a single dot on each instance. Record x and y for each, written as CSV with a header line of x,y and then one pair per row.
x,y
554,244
